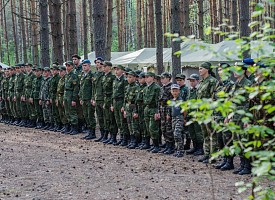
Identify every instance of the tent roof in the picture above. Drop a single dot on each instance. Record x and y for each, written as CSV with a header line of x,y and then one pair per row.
x,y
4,65
114,55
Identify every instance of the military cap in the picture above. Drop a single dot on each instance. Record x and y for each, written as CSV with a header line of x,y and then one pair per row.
x,y
224,65
206,65
17,66
119,67
158,77
56,63
55,67
194,77
76,56
108,63
47,69
28,64
137,71
248,61
175,86
62,68
69,63
86,61
38,68
150,74
99,58
127,69
242,65
261,65
132,73
165,75
180,76
141,75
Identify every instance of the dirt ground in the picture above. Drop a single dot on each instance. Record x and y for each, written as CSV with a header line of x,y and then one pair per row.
x,y
48,165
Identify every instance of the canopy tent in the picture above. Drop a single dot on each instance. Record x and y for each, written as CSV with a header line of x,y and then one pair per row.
x,y
3,65
262,49
114,55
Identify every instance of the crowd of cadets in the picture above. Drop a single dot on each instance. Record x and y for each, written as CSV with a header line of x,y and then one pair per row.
x,y
72,99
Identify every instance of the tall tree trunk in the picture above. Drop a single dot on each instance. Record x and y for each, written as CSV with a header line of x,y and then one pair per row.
x,y
175,14
220,14
34,31
44,30
23,31
200,19
91,25
145,23
165,44
6,35
186,26
85,29
55,18
123,24
109,30
151,32
244,20
73,46
13,16
99,24
234,12
139,29
2,25
119,28
159,51
66,23
214,21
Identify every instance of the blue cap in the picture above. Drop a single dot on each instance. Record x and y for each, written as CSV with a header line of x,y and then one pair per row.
x,y
261,65
248,61
99,58
86,61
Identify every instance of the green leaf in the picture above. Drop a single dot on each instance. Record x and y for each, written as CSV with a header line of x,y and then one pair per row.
x,y
207,31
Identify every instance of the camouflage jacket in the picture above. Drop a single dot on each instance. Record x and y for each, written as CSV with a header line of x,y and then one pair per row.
x,y
206,88
53,86
71,88
107,83
60,87
151,95
184,92
97,93
44,93
28,83
11,86
86,86
119,87
36,87
165,94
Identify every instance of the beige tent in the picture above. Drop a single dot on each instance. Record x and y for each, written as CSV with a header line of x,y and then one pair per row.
x,y
4,65
114,55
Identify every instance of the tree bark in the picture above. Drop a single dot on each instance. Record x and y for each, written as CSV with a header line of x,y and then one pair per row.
x,y
151,32
73,46
23,31
200,19
234,12
109,29
244,20
159,51
44,34
91,25
6,35
119,34
165,44
14,30
145,24
214,21
99,24
55,18
175,14
186,26
85,29
139,29
34,32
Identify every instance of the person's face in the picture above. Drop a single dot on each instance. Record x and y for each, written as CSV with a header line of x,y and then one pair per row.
x,y
38,73
119,72
239,72
180,81
220,71
7,72
106,68
193,82
149,79
69,68
98,64
131,78
17,70
28,68
203,71
164,80
86,67
62,73
175,92
141,80
46,73
76,61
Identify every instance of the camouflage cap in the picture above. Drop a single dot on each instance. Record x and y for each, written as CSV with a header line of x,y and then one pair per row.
x,y
69,63
206,65
157,77
132,73
166,75
141,75
119,67
224,65
47,69
38,68
55,67
137,71
180,76
150,74
108,63
62,68
242,65
194,77
127,69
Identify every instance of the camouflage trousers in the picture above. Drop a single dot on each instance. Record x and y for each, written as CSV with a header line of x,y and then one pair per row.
x,y
109,117
30,110
210,139
195,132
38,114
140,125
89,114
47,112
70,112
18,106
119,117
152,125
177,126
131,121
166,124
55,113
99,114
61,110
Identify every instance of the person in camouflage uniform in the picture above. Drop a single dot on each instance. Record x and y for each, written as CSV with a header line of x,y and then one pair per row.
x,y
44,98
97,95
71,89
56,122
151,111
110,125
130,110
165,110
11,95
250,63
2,103
119,87
36,85
28,81
240,83
206,90
60,98
180,79
4,95
85,94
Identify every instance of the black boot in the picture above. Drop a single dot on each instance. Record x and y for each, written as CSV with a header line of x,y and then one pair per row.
x,y
91,134
146,143
124,142
204,158
131,141
134,143
101,135
193,150
58,128
113,137
67,129
114,141
247,167
167,146
170,149
32,124
199,151
220,165
229,164
156,146
141,144
22,123
51,128
105,137
241,166
108,139
187,144
62,128
75,130
47,126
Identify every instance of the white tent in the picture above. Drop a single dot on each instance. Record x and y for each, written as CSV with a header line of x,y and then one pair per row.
x,y
114,55
3,65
